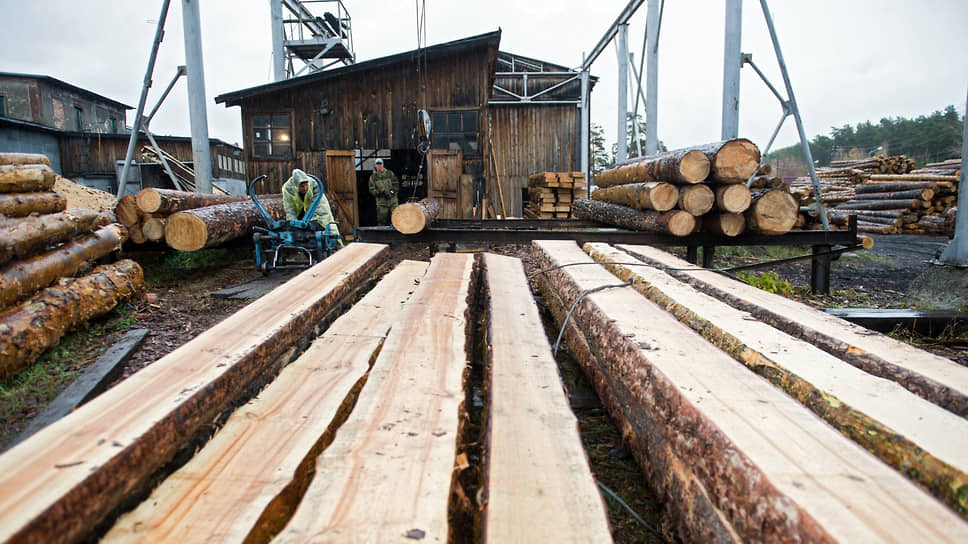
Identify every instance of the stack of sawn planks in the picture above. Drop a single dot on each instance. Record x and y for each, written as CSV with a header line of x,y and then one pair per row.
x,y
48,280
691,189
360,438
550,194
189,221
759,419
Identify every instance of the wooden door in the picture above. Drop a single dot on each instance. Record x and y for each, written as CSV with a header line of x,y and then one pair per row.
x,y
341,188
445,170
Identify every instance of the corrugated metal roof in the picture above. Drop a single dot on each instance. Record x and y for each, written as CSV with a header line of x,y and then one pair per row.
x,y
58,83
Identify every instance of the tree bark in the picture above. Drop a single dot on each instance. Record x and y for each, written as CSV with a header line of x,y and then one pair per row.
x,y
733,197
212,226
167,202
24,158
906,204
30,235
682,166
24,178
24,204
937,186
66,305
915,177
675,222
653,195
724,224
696,199
21,279
773,211
923,194
413,217
732,161
154,229
128,212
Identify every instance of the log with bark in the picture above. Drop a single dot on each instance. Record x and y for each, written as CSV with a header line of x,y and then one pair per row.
x,y
66,305
24,178
923,194
675,222
413,217
653,195
128,212
686,165
732,161
696,199
916,177
212,226
167,202
21,279
937,186
724,224
154,229
733,197
24,204
32,235
911,204
23,158
773,211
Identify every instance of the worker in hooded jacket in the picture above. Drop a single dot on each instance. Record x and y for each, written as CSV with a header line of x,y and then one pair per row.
x,y
384,187
297,195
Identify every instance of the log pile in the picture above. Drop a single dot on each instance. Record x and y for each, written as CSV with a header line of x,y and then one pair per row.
x,y
552,193
707,183
47,287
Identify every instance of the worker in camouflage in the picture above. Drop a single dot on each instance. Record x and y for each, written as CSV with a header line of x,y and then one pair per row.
x,y
297,195
384,187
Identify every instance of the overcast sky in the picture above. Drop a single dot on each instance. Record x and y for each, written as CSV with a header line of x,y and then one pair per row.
x,y
849,60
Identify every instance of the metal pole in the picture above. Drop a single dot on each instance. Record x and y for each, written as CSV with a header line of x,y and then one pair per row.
x,y
808,157
622,140
132,143
957,251
652,22
585,126
732,62
278,53
201,152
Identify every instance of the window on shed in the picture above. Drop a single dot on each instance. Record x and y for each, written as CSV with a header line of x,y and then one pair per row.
x,y
113,123
272,136
3,106
455,130
78,118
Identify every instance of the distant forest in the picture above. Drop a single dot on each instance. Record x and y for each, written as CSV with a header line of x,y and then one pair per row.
x,y
928,138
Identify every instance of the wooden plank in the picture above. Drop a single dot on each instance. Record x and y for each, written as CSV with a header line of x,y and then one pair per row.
x,y
56,485
271,442
389,470
778,472
539,487
934,378
920,439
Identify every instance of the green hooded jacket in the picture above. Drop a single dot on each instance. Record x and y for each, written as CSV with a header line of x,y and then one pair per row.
x,y
296,205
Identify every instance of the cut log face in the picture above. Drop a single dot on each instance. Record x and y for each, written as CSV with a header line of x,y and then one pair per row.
x,y
212,226
22,178
539,487
62,481
301,410
128,212
154,229
675,222
32,235
389,470
681,166
773,211
733,198
23,158
654,195
167,202
724,224
414,217
732,161
24,204
775,470
696,199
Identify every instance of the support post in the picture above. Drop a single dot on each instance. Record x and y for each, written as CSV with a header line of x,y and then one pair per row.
x,y
708,254
585,126
820,270
201,152
957,251
732,62
692,254
622,140
652,23
278,53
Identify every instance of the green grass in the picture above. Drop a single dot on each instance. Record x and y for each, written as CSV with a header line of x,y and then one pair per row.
x,y
768,281
173,265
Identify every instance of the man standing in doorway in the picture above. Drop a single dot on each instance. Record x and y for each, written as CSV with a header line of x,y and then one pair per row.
x,y
384,187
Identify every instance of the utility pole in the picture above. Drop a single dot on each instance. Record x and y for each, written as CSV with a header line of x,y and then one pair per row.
x,y
957,251
201,152
652,24
278,53
732,62
622,44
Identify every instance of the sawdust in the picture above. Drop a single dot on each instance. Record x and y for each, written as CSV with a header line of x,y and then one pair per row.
x,y
79,196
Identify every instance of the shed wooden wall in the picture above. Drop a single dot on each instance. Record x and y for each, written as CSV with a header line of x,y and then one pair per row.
x,y
96,154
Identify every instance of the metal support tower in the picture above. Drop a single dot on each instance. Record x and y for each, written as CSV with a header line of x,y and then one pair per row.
x,y
652,24
317,41
956,254
278,53
732,62
201,152
622,45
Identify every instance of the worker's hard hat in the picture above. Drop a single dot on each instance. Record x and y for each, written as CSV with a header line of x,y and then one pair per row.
x,y
379,161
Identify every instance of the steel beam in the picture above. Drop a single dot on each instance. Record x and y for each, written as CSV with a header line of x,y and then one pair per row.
x,y
622,47
201,151
278,35
652,24
732,62
956,253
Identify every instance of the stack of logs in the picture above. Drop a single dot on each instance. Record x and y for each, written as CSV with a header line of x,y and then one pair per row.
x,y
47,252
688,190
552,193
188,221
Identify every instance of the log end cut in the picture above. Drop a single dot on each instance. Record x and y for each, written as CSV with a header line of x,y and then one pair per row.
x,y
694,166
149,200
408,218
725,224
696,199
185,232
736,161
774,212
681,223
733,198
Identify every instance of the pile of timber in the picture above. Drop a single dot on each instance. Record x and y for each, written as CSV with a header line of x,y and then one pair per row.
x,y
881,164
189,221
552,193
47,285
182,175
950,167
693,189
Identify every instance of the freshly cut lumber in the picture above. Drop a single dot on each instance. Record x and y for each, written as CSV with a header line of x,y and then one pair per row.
x,y
681,166
725,224
773,469
24,204
732,161
32,235
60,308
733,197
23,178
921,440
24,158
675,222
883,204
937,379
773,211
58,484
128,212
413,217
390,467
696,199
154,229
300,412
652,195
20,279
167,202
538,485
212,226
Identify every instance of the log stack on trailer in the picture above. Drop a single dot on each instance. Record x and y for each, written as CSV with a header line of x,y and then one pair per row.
x,y
551,194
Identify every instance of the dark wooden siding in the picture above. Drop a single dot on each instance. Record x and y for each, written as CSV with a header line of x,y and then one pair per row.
x,y
96,154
